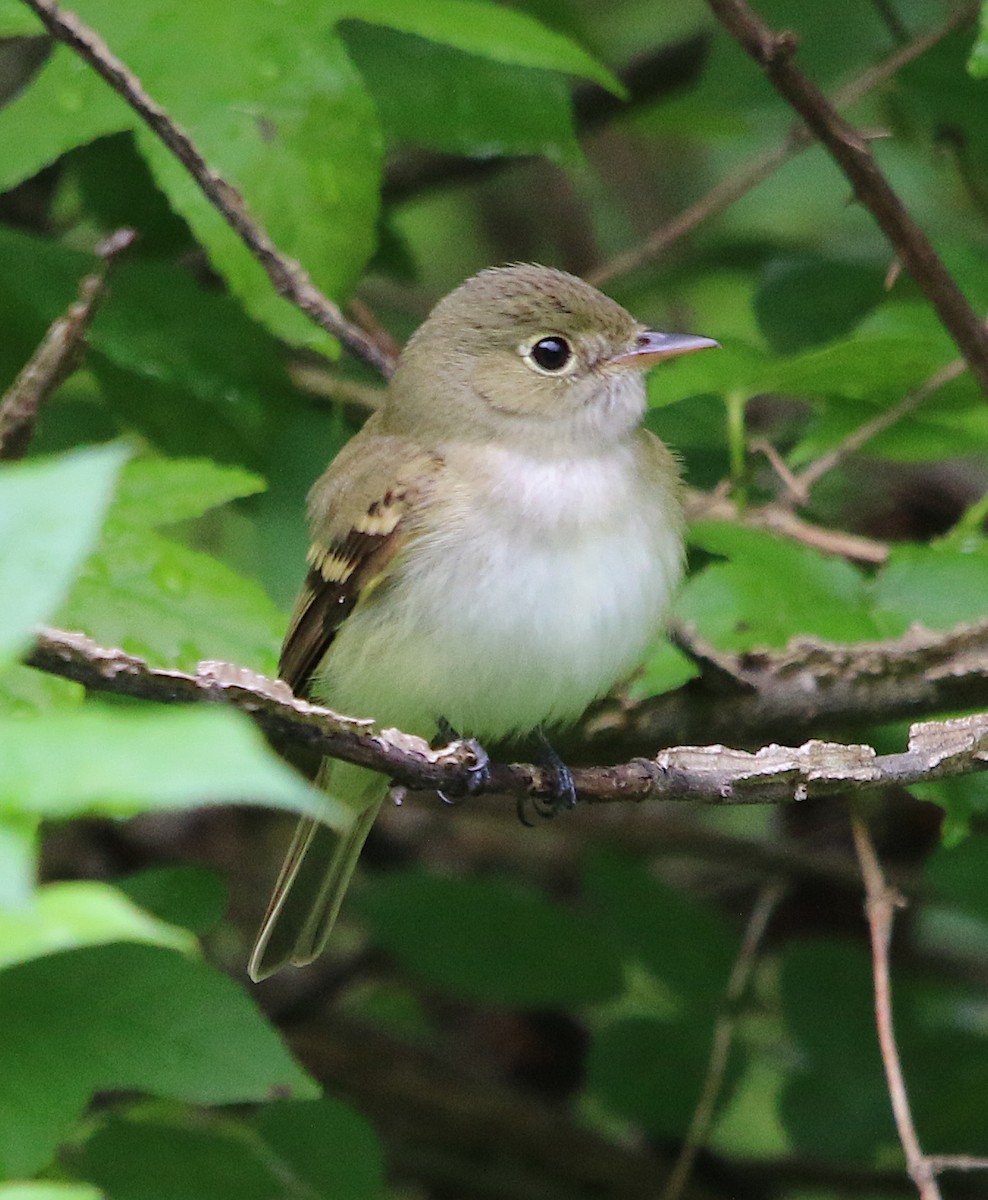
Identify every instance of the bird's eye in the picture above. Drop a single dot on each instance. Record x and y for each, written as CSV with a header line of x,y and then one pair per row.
x,y
551,353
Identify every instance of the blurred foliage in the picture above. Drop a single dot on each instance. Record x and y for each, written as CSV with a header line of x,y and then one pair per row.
x,y
393,146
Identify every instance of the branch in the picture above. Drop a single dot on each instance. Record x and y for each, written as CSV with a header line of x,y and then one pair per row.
x,y
287,276
807,479
57,356
807,684
730,189
774,52
705,774
703,506
880,905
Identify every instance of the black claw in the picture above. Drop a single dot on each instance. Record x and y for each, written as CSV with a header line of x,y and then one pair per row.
x,y
563,788
478,771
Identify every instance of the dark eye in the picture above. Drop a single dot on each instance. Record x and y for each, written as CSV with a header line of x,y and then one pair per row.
x,y
551,353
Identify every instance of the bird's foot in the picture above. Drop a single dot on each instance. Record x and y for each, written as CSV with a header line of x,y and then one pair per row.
x,y
478,770
563,795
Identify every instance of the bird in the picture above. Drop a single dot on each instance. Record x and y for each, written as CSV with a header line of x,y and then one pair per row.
x,y
494,549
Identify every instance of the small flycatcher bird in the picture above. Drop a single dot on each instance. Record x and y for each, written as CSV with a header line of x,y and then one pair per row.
x,y
493,550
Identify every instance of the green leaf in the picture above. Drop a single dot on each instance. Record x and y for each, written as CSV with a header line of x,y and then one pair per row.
x,y
168,1025
835,1105
17,20
50,517
808,300
119,762
464,104
146,1160
939,586
735,367
770,590
978,62
873,368
273,104
485,940
83,913
19,843
44,1190
325,1148
488,30
665,669
27,692
193,897
682,942
173,605
155,491
652,1072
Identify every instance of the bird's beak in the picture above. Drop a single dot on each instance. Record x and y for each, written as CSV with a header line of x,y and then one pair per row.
x,y
652,348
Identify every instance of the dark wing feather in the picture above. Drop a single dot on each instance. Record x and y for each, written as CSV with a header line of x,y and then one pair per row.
x,y
337,576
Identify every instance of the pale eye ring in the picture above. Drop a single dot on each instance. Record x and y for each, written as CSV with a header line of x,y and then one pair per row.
x,y
551,353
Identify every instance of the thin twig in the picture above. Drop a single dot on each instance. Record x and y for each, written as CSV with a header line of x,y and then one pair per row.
x,y
956,1162
289,279
699,774
730,189
774,53
711,506
57,356
807,479
880,905
765,905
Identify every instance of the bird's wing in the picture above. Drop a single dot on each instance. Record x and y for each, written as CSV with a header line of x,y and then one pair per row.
x,y
364,510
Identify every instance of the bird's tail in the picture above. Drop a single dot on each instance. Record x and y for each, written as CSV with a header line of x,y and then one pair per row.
x,y
316,874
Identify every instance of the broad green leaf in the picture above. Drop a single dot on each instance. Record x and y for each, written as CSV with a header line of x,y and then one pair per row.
x,y
272,102
66,916
957,876
168,1025
939,586
324,1147
964,799
665,669
835,1105
682,942
464,104
149,1160
17,20
978,62
652,1072
485,940
769,590
50,517
489,30
809,300
735,367
296,1150
155,491
193,897
175,606
19,844
45,1190
27,692
876,368
119,762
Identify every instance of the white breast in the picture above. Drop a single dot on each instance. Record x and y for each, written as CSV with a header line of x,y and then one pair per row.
x,y
521,609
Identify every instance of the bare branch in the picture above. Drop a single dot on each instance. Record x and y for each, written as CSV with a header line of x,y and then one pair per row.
x,y
730,189
811,475
289,279
57,356
776,518
760,693
880,905
700,774
774,52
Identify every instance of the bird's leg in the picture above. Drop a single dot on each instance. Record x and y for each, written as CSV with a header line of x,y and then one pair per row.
x,y
563,788
478,771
